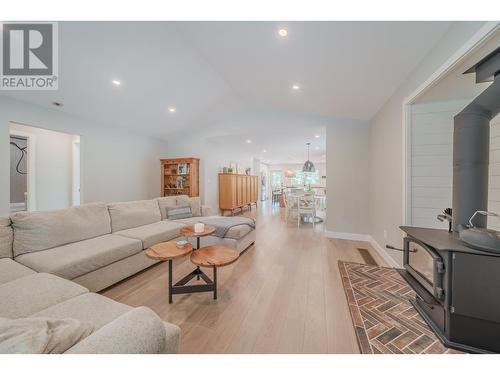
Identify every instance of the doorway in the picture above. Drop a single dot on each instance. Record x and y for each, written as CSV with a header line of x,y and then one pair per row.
x,y
18,173
44,169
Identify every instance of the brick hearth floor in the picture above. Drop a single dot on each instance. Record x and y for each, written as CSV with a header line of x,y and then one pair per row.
x,y
383,318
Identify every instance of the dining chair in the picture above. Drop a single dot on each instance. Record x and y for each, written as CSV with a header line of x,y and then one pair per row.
x,y
306,206
291,205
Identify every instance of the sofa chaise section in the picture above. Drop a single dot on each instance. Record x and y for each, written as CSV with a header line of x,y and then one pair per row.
x,y
239,237
117,328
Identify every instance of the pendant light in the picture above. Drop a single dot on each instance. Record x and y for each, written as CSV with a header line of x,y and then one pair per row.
x,y
308,165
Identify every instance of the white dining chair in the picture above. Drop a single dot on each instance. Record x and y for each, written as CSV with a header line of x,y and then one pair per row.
x,y
306,206
291,205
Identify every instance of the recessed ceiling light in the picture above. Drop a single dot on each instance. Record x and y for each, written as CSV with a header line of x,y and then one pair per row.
x,y
116,82
249,141
264,150
296,87
316,136
171,109
283,32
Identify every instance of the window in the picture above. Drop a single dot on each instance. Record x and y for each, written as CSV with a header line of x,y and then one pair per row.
x,y
276,178
305,178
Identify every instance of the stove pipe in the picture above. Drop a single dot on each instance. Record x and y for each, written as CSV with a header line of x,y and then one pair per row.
x,y
471,146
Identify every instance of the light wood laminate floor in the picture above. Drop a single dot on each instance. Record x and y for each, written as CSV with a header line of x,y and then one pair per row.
x,y
284,294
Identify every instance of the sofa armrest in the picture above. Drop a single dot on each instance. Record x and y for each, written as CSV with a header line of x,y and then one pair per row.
x,y
139,331
205,210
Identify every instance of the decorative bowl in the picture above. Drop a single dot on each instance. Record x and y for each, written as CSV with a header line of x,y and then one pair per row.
x,y
181,244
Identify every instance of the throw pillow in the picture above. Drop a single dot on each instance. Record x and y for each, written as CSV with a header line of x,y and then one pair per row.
x,y
194,202
165,202
179,212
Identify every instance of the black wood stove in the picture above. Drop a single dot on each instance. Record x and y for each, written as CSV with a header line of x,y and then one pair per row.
x,y
457,288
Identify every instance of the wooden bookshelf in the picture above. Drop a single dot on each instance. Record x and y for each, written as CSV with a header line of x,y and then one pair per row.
x,y
180,177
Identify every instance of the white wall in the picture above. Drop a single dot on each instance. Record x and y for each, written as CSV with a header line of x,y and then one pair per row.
x,y
212,157
347,169
387,144
53,157
116,164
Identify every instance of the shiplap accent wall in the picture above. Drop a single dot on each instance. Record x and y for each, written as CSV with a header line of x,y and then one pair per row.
x,y
494,183
431,163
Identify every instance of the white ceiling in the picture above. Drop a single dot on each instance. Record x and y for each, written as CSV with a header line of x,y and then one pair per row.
x,y
211,71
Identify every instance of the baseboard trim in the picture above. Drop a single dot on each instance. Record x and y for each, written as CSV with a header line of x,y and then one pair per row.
x,y
367,238
383,253
348,236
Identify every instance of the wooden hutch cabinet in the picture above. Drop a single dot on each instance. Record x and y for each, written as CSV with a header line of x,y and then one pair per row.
x,y
237,191
180,176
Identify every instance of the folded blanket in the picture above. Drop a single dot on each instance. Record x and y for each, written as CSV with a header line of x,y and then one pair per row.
x,y
223,224
41,335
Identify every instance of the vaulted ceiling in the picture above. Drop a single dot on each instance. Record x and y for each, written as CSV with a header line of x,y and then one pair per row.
x,y
207,70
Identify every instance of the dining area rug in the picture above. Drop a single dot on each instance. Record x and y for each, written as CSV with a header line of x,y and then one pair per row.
x,y
385,322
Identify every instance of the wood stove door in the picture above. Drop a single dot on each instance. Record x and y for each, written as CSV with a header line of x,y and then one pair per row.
x,y
425,265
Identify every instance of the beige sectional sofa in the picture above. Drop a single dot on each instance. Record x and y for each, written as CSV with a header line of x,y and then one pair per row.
x,y
52,262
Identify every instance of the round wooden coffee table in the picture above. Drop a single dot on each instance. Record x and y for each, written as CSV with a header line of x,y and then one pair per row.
x,y
214,257
168,251
189,232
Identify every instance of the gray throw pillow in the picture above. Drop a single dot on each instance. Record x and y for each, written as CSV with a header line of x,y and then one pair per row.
x,y
179,212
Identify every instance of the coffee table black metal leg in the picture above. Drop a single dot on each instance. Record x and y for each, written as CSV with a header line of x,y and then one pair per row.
x,y
197,243
198,273
170,281
215,282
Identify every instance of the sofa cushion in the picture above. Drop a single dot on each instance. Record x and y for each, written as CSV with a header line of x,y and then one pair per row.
x,y
36,231
179,212
11,270
89,308
127,215
152,234
30,294
41,335
76,259
193,202
165,202
6,238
